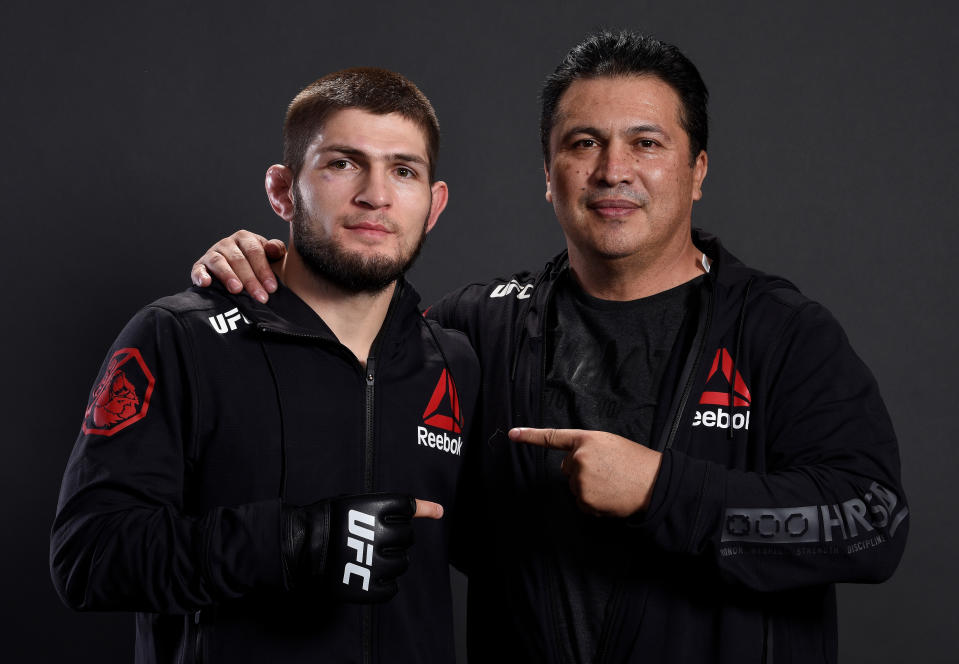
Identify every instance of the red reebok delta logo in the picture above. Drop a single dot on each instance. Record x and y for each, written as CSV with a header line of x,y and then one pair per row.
x,y
442,412
740,393
453,421
717,393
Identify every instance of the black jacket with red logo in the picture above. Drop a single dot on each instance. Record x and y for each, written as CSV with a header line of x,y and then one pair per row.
x,y
211,411
779,478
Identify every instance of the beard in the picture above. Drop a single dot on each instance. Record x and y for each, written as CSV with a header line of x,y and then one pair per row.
x,y
351,271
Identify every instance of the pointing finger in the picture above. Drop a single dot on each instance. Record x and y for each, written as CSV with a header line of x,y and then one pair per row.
x,y
558,439
428,510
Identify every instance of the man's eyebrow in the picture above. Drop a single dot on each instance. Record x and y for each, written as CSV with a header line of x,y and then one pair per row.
x,y
583,129
402,156
646,129
342,149
355,152
632,131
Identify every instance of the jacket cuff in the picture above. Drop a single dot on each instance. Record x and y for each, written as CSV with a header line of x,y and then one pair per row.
x,y
687,496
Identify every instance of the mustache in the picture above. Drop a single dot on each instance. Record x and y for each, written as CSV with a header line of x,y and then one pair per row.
x,y
380,219
621,191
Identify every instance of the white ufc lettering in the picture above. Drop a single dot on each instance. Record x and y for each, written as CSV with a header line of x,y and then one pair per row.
x,y
354,518
522,291
226,322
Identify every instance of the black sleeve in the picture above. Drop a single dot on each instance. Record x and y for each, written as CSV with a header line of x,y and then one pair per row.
x,y
448,313
123,537
830,507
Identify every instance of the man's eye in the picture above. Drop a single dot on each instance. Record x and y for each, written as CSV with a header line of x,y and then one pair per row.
x,y
647,142
340,164
405,172
585,143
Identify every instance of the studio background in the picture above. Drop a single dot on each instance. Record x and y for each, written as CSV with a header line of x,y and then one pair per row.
x,y
135,134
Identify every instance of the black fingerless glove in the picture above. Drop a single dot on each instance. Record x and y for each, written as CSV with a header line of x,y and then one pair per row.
x,y
354,547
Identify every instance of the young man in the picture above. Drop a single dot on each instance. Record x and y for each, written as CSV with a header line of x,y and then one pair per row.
x,y
245,474
712,456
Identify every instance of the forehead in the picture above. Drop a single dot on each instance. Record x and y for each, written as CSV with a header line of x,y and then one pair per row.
x,y
607,102
370,133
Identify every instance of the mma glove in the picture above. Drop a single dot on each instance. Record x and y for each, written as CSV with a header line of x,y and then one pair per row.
x,y
353,547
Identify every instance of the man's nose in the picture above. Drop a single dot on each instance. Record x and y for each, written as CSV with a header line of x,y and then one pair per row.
x,y
375,191
616,165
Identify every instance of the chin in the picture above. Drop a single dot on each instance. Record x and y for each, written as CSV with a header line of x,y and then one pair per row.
x,y
616,248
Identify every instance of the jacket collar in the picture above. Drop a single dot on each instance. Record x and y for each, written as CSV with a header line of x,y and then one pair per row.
x,y
727,278
286,314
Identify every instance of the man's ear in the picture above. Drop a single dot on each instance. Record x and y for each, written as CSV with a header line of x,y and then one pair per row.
x,y
700,166
441,195
549,195
279,189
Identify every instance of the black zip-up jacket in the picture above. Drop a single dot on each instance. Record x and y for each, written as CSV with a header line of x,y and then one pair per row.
x,y
213,410
779,478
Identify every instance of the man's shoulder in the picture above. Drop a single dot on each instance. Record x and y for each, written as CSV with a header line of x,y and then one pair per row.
x,y
211,307
193,299
740,283
496,300
161,331
775,310
517,286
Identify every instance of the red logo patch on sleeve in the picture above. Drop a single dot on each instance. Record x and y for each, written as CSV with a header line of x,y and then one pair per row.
x,y
122,396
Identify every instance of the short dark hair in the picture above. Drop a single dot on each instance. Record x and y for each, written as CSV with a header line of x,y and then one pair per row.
x,y
630,54
378,91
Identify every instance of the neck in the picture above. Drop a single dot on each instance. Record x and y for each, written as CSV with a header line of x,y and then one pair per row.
x,y
634,277
355,318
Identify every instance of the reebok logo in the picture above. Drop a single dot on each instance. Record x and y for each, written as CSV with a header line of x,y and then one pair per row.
x,y
442,412
453,422
717,393
721,398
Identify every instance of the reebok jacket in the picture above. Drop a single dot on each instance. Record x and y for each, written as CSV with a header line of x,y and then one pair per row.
x,y
780,477
210,412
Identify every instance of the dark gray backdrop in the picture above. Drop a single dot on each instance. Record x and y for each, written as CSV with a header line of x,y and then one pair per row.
x,y
135,134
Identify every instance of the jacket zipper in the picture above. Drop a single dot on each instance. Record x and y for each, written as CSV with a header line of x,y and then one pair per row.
x,y
368,453
551,567
767,639
703,334
370,383
370,456
369,375
198,641
368,485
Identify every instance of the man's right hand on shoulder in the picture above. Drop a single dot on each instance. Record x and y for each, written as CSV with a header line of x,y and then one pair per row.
x,y
240,262
353,547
